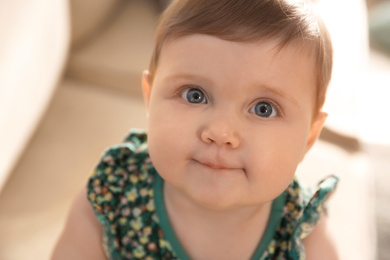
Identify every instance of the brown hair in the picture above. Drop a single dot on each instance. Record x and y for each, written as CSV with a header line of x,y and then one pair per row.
x,y
286,21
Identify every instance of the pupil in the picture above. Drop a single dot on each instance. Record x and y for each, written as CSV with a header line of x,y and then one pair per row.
x,y
263,109
195,96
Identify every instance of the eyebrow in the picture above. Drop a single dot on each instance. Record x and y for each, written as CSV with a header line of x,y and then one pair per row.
x,y
281,93
277,91
186,76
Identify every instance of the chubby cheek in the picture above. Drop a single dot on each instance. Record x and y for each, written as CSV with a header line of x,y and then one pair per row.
x,y
161,153
165,141
273,161
270,176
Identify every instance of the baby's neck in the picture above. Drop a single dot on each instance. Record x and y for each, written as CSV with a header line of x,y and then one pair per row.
x,y
215,234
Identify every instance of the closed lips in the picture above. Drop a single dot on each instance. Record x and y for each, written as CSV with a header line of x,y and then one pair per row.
x,y
217,166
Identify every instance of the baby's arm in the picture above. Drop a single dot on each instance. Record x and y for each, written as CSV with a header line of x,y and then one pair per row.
x,y
82,235
319,244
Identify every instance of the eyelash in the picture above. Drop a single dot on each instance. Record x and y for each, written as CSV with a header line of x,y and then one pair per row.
x,y
275,109
183,93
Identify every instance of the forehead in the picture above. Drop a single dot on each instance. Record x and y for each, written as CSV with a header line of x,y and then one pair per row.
x,y
201,46
239,61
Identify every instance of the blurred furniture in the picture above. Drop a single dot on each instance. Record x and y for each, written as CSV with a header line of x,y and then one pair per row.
x,y
379,24
34,40
352,211
99,99
115,54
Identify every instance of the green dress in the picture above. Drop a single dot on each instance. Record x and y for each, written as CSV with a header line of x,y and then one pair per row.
x,y
126,194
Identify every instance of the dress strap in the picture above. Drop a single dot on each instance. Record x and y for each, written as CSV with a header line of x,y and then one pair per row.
x,y
312,212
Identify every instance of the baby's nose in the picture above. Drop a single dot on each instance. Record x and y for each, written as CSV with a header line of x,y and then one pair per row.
x,y
222,132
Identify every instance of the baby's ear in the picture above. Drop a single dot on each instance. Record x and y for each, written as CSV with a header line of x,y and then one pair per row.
x,y
315,129
146,87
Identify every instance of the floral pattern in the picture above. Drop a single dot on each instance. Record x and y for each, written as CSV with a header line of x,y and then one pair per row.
x,y
121,193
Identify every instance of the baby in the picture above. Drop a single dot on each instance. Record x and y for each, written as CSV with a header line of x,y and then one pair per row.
x,y
234,96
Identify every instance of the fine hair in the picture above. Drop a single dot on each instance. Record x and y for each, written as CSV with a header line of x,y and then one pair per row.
x,y
285,21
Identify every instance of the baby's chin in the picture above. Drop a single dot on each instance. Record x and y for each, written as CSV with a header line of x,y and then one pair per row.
x,y
220,201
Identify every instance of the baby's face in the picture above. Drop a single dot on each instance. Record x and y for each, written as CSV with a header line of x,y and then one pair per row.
x,y
229,122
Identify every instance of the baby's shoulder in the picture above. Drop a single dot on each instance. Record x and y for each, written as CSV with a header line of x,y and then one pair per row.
x,y
132,151
122,169
304,204
128,157
121,191
302,211
304,197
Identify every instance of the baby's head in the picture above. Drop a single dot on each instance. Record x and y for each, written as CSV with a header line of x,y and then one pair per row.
x,y
234,93
283,21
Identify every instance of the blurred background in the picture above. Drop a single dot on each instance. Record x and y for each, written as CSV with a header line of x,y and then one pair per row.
x,y
70,86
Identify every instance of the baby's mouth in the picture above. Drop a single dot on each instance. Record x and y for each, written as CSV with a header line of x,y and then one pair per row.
x,y
217,165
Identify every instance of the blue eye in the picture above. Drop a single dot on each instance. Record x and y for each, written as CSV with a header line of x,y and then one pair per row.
x,y
264,109
194,95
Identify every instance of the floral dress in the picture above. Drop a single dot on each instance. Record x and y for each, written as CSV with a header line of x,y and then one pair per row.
x,y
126,194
